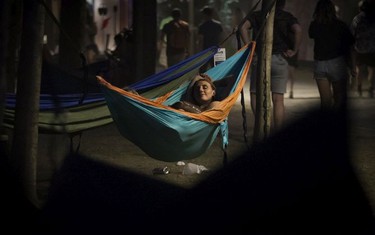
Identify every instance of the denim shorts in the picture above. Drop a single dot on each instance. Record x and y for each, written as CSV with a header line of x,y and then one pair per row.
x,y
279,74
331,70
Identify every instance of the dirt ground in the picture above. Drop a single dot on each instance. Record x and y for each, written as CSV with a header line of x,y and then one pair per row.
x,y
105,144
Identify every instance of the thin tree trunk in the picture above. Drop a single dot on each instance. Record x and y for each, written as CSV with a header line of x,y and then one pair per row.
x,y
144,13
72,19
4,18
25,139
263,98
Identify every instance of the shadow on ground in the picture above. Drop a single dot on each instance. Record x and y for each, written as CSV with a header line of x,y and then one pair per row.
x,y
299,181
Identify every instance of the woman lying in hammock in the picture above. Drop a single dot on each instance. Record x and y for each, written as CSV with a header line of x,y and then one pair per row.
x,y
200,95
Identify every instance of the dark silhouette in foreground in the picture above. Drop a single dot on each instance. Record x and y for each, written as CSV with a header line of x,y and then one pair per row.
x,y
285,185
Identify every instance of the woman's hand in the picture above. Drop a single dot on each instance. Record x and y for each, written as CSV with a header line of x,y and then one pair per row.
x,y
290,53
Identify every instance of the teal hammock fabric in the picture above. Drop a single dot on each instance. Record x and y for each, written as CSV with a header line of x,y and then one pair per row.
x,y
162,134
171,135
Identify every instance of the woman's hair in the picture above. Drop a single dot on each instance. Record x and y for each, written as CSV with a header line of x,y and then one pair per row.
x,y
205,77
325,11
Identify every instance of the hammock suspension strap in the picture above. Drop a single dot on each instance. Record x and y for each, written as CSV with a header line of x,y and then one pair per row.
x,y
225,141
71,136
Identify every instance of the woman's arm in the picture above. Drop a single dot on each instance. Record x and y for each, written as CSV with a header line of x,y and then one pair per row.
x,y
186,106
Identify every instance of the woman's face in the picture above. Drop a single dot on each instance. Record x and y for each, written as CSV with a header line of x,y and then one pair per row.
x,y
203,92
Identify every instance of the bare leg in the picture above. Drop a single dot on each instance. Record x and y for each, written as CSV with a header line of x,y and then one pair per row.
x,y
358,79
324,87
278,110
371,79
291,71
370,75
90,56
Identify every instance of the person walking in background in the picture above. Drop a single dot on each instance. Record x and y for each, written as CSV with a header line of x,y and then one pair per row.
x,y
363,29
283,23
177,33
293,40
210,33
90,46
162,44
333,43
237,17
292,65
292,61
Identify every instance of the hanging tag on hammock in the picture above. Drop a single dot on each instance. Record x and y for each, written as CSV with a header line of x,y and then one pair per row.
x,y
220,56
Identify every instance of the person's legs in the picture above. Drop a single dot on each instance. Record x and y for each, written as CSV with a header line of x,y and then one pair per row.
x,y
331,75
371,79
358,68
90,56
292,65
324,87
278,110
291,71
338,77
92,52
368,60
358,79
279,80
163,56
175,58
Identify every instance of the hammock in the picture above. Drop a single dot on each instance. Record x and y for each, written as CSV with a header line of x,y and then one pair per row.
x,y
71,113
65,114
168,134
69,103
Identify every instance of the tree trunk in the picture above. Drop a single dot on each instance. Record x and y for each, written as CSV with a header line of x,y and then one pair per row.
x,y
263,103
145,33
72,20
25,139
4,17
